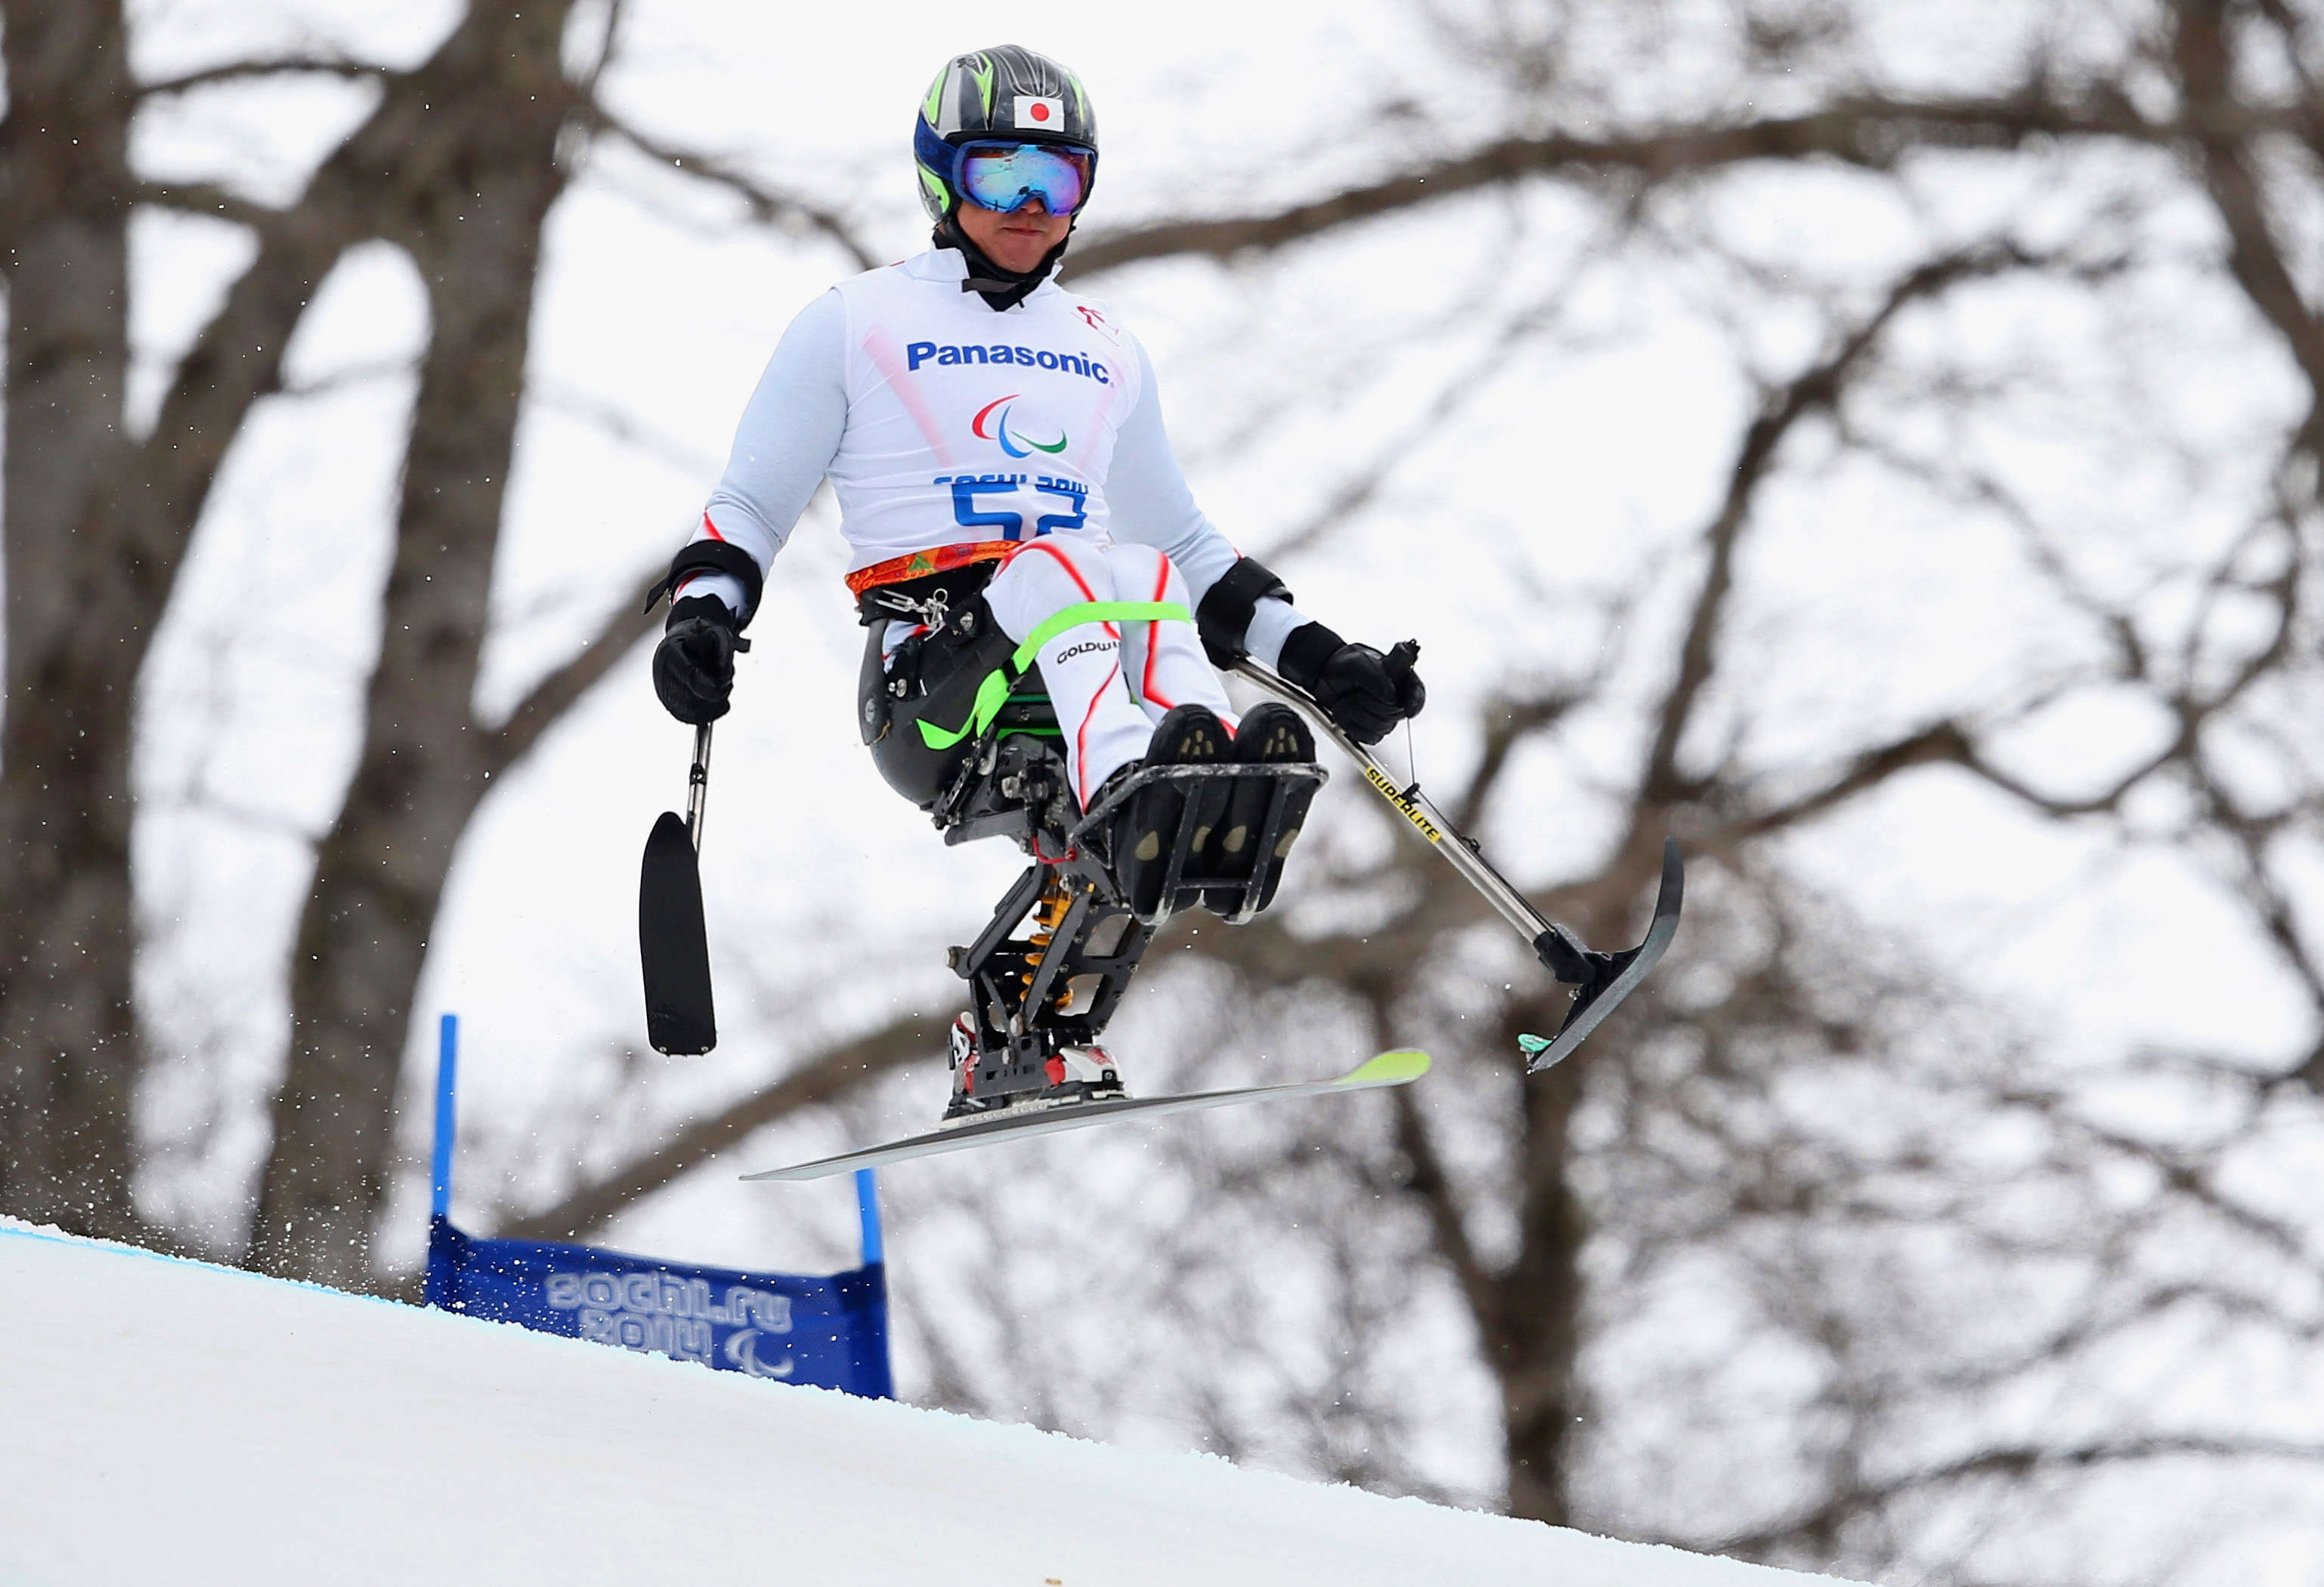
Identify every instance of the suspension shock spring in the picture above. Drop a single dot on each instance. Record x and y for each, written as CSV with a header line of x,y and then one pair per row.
x,y
1048,915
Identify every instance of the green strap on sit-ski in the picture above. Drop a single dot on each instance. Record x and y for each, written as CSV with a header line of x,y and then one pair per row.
x,y
994,692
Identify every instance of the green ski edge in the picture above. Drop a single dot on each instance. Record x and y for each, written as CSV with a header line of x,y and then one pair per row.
x,y
1399,1067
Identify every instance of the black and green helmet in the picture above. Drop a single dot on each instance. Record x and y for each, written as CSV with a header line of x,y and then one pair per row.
x,y
1005,94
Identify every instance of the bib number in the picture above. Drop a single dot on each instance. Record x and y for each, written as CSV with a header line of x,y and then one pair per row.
x,y
964,511
1076,499
970,514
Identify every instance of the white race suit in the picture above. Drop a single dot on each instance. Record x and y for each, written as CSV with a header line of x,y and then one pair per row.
x,y
1031,436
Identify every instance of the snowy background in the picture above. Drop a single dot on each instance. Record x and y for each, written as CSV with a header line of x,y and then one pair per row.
x,y
1498,424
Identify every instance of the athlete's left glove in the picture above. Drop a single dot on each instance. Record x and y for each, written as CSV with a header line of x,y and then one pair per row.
x,y
694,666
1365,692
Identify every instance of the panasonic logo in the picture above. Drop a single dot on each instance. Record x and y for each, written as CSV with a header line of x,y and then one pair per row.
x,y
943,354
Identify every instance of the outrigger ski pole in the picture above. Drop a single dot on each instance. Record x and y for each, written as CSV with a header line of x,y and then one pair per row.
x,y
1600,981
673,946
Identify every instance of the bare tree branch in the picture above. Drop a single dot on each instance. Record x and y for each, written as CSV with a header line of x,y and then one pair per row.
x,y
209,198
1447,1219
824,1077
1816,390
548,699
622,426
237,358
1870,133
1941,742
1465,385
1507,724
766,205
2201,50
233,71
2014,1462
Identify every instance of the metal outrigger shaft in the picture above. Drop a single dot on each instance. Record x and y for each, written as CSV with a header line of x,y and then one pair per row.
x,y
698,785
1600,980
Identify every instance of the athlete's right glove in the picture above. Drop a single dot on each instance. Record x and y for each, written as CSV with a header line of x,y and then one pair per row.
x,y
1365,692
694,666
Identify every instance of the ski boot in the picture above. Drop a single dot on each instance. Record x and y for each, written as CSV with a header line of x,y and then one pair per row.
x,y
1271,734
1073,1075
1147,828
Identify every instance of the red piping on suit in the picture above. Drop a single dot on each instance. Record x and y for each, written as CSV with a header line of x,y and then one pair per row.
x,y
1081,737
1153,635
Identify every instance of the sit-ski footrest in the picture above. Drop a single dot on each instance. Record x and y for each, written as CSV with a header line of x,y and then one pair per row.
x,y
1183,885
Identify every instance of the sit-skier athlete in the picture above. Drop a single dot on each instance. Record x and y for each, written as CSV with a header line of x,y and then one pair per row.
x,y
1005,484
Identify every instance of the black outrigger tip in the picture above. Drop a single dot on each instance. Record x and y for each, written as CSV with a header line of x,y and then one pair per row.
x,y
1601,981
673,946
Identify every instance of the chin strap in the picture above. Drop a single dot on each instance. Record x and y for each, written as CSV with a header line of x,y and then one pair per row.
x,y
1001,289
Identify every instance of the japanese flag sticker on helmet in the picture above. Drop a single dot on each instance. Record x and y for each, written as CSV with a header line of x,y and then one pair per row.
x,y
1036,115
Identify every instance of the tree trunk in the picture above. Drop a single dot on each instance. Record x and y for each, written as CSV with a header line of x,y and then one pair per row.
x,y
81,611
380,874
1533,1336
1537,1329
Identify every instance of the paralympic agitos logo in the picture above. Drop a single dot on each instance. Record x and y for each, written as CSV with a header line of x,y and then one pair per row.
x,y
990,427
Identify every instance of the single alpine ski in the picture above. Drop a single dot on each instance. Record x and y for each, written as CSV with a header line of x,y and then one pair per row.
x,y
1025,1121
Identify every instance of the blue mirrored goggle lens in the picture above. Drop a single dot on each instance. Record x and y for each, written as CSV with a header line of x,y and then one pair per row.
x,y
1006,177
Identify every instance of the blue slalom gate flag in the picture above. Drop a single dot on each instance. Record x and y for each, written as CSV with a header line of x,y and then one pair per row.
x,y
830,1331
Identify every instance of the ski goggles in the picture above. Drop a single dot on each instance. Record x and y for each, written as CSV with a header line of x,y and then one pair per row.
x,y
1006,177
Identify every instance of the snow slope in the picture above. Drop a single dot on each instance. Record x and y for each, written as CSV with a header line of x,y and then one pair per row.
x,y
170,1421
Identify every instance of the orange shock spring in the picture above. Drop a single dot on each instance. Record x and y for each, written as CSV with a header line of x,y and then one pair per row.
x,y
1048,914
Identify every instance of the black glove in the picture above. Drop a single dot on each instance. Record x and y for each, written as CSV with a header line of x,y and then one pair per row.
x,y
1365,692
694,666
